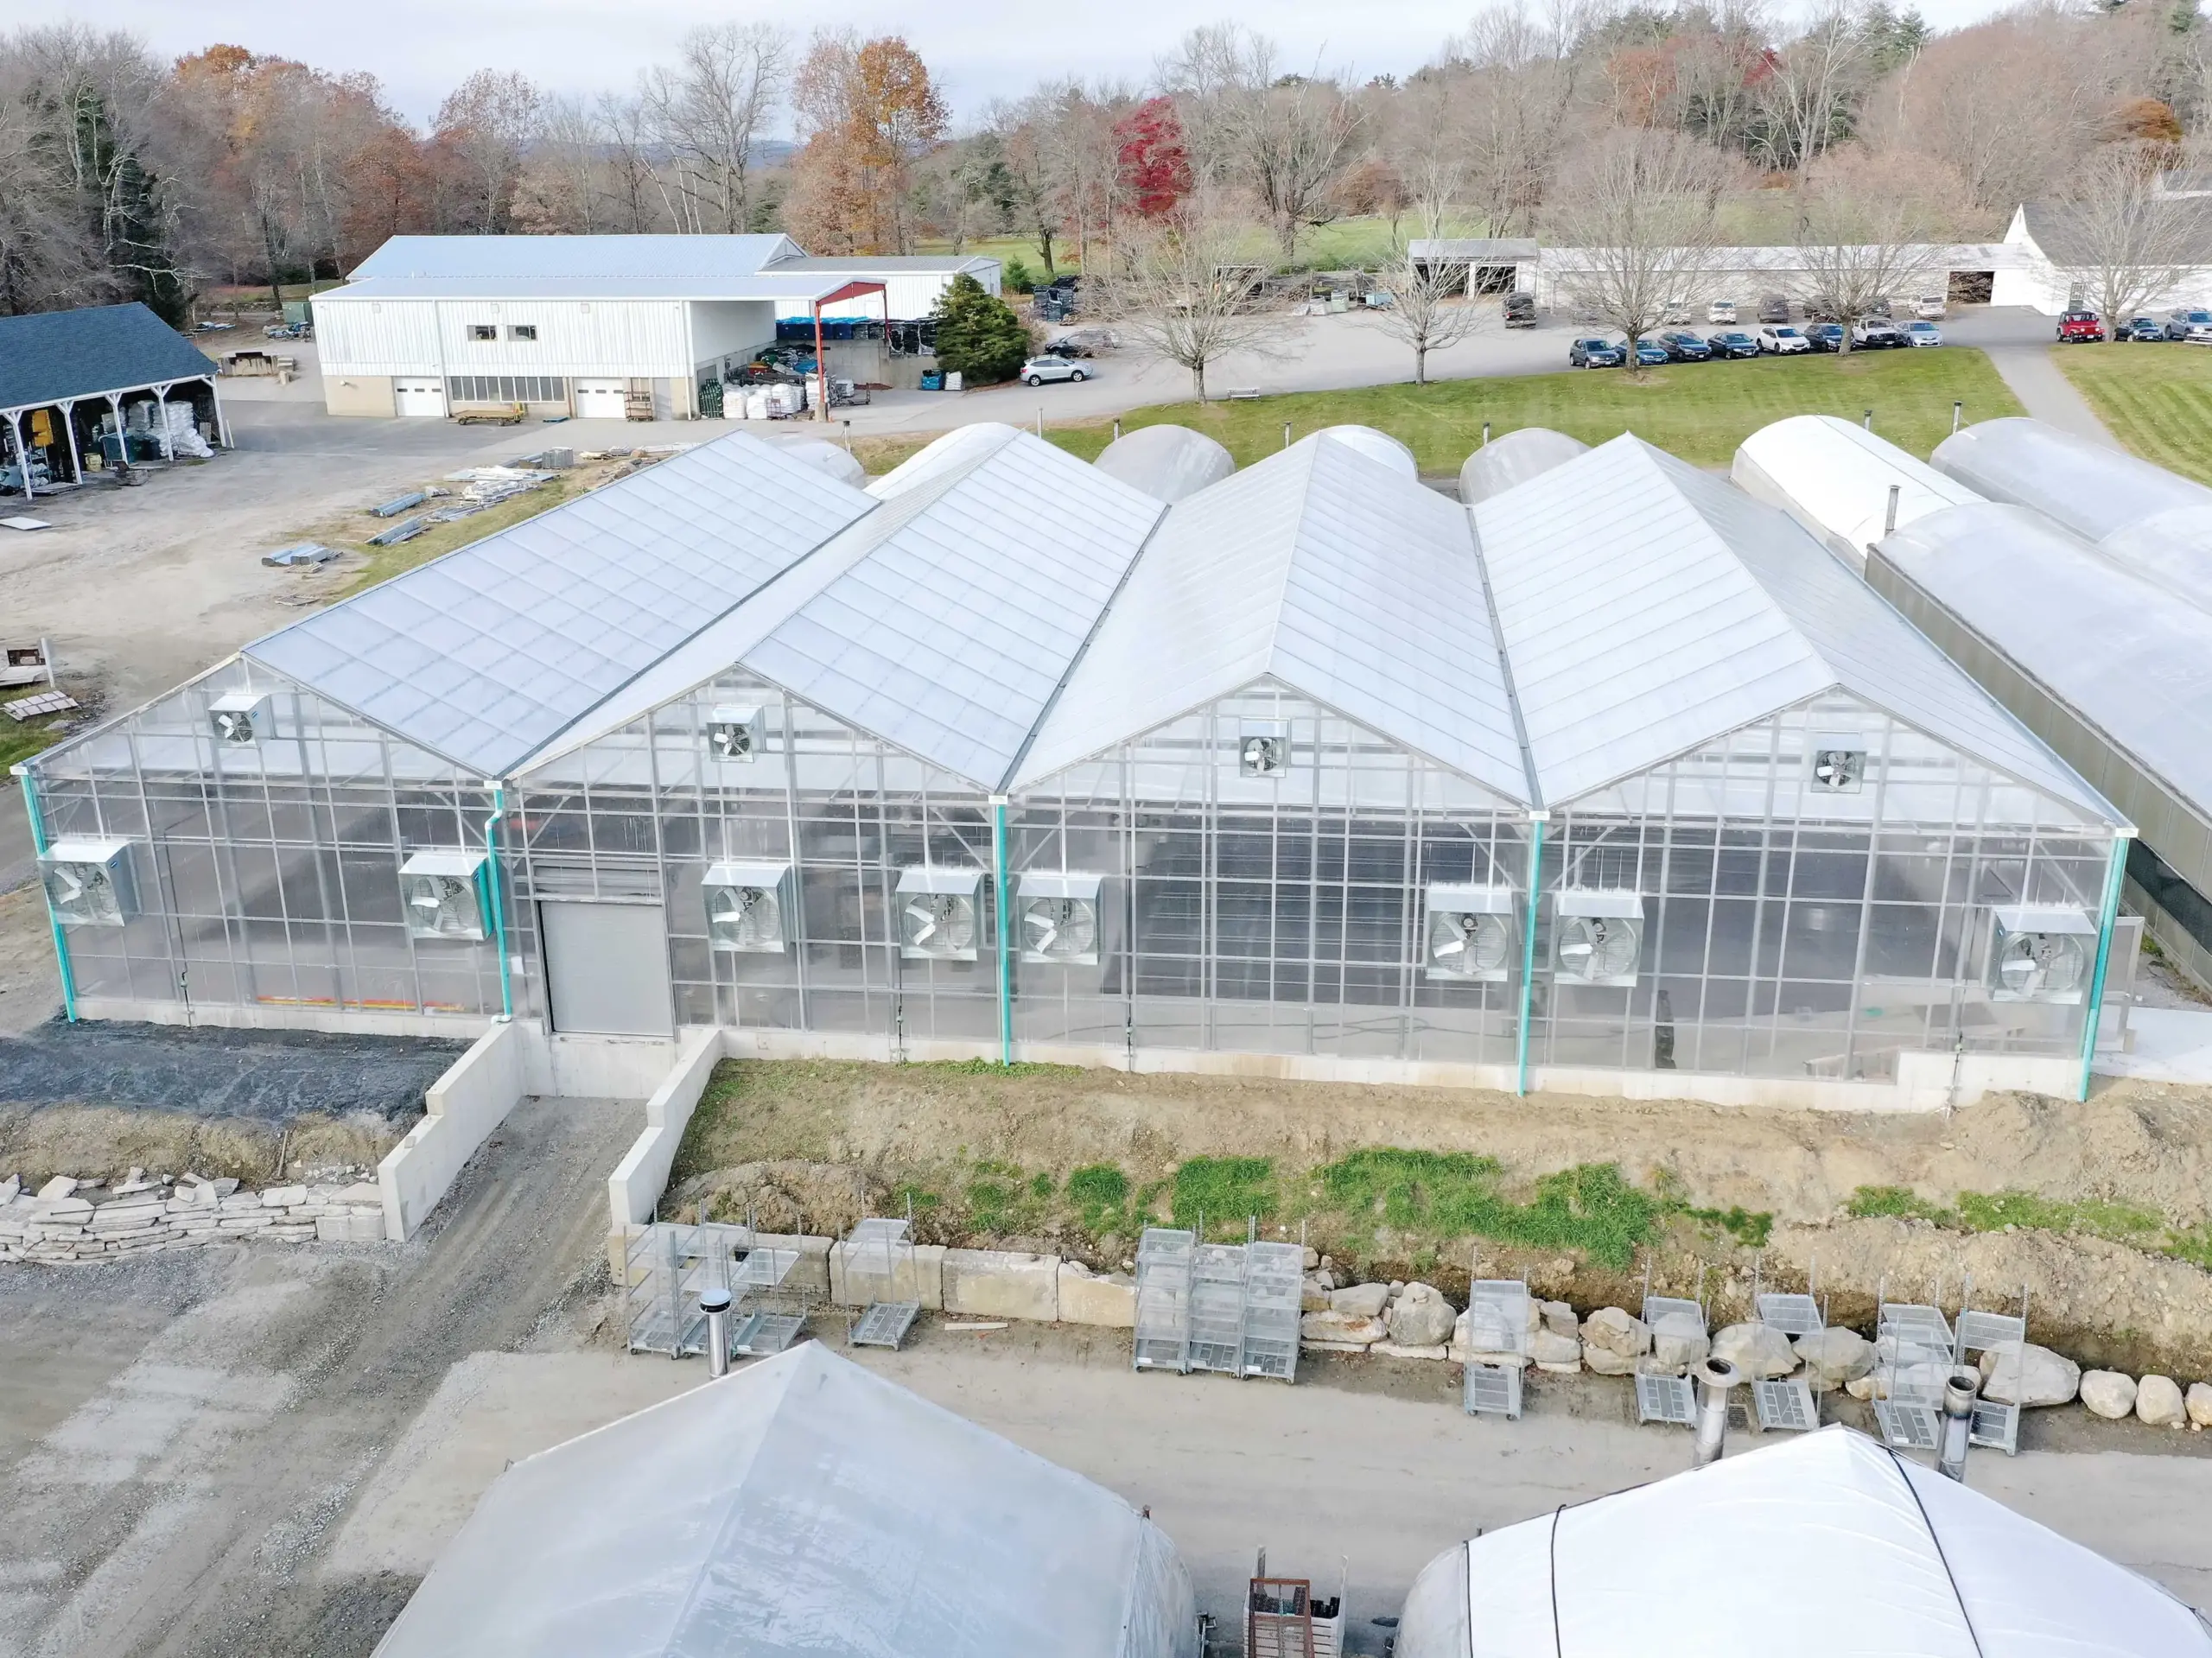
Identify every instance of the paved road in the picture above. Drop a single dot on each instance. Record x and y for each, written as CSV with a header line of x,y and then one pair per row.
x,y
2046,393
179,1434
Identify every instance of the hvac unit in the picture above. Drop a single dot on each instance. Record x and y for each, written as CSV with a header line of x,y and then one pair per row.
x,y
88,881
1263,751
1057,918
734,734
1839,764
239,719
750,908
2041,954
1468,933
938,912
443,894
1597,936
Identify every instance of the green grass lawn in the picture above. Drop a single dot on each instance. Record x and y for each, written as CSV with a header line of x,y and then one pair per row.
x,y
439,539
1699,411
2156,399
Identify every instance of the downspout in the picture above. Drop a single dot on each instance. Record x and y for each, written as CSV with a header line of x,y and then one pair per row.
x,y
61,938
1529,947
999,913
499,903
2114,874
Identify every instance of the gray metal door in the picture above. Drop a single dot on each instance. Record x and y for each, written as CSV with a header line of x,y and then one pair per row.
x,y
607,967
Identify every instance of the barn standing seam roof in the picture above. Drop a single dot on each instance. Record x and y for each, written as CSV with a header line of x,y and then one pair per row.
x,y
52,355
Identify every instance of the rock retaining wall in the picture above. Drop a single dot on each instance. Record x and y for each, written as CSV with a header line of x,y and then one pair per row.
x,y
65,1221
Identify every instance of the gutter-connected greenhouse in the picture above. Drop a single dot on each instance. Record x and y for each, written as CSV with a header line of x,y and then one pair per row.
x,y
1002,757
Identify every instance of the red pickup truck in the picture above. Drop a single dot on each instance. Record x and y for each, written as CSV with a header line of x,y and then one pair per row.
x,y
2080,325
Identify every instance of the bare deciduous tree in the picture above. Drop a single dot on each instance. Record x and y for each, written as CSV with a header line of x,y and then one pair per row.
x,y
1636,210
1431,309
1807,97
2126,244
709,112
487,125
1184,291
1517,72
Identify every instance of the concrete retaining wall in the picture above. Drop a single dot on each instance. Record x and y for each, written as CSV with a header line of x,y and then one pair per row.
x,y
635,1187
466,1104
918,1277
1000,1284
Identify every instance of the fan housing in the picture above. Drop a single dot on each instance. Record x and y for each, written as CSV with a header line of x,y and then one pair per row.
x,y
937,910
88,881
2045,954
1263,751
750,908
1596,938
1468,934
734,734
239,719
1057,918
443,895
1839,764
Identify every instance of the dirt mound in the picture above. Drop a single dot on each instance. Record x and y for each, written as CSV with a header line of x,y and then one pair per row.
x,y
91,1143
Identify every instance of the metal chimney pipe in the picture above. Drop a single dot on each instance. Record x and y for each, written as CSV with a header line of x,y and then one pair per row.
x,y
715,1305
1485,435
1958,414
1889,516
1867,420
1958,1423
1714,1378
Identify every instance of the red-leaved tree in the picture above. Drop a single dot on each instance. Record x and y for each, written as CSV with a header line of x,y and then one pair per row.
x,y
1149,154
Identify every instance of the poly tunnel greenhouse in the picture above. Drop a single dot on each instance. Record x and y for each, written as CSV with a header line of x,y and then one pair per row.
x,y
1615,781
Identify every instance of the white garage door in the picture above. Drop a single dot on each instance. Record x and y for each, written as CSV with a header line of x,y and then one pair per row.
x,y
423,397
601,399
607,967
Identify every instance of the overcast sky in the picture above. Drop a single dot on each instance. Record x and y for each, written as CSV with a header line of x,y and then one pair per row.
x,y
978,49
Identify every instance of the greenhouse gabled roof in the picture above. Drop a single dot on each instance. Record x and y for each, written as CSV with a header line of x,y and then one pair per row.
x,y
1327,570
486,654
1648,608
949,638
801,1505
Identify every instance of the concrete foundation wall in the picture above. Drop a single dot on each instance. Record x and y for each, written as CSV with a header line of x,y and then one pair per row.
x,y
599,1067
465,1105
916,1277
342,1021
635,1187
358,394
1003,1283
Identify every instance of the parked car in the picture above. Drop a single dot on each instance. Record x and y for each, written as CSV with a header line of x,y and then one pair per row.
x,y
1520,310
2141,328
1931,308
1685,347
2183,325
1649,353
1921,331
1083,342
1774,308
1733,343
1721,310
2086,325
1038,369
1594,353
1879,307
1825,336
1874,334
1783,342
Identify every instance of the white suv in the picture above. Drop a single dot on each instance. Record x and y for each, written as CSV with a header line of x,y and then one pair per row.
x,y
1781,341
1721,310
1038,369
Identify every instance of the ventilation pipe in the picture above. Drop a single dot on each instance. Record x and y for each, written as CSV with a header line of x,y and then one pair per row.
x,y
1485,435
1958,1423
1867,420
715,1305
1889,515
1714,1378
1285,434
1958,414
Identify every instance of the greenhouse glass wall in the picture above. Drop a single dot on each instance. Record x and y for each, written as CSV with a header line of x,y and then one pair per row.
x,y
1265,780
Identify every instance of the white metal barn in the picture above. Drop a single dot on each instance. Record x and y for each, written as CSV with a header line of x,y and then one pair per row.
x,y
581,325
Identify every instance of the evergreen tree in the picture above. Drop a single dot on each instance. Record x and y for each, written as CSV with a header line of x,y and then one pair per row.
x,y
977,336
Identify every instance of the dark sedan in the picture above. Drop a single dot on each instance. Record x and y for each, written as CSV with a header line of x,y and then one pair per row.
x,y
1825,336
1594,353
1649,353
1734,343
1684,347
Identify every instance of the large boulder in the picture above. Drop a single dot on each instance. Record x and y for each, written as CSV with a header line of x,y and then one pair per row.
x,y
1313,1295
2158,1402
1340,1331
1610,1330
1420,1317
1559,1318
1678,1341
1834,1357
1560,1354
2109,1394
1757,1350
1360,1300
2020,1373
1603,1360
2198,1403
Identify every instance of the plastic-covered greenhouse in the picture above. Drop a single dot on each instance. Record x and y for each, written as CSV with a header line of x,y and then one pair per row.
x,y
803,1505
1001,757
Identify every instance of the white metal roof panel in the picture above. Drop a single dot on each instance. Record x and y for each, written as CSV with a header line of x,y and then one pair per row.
x,y
2089,487
950,637
1834,478
1514,458
486,654
1328,570
572,257
798,285
2170,550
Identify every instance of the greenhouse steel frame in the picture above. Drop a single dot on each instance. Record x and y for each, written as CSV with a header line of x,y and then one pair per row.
x,y
1265,780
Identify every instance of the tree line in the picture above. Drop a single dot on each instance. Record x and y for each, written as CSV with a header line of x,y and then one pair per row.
x,y
125,176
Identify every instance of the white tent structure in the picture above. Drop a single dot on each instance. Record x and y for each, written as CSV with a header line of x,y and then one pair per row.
x,y
1826,1547
803,1505
1834,478
1514,458
1166,462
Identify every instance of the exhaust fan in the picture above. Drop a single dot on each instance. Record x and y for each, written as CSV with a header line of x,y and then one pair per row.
x,y
1596,938
1468,933
1263,751
1839,765
937,914
734,734
88,881
1057,917
239,719
443,895
750,908
2041,955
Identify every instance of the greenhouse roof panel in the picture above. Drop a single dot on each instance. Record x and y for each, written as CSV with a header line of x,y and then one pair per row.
x,y
486,653
949,637
1326,569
